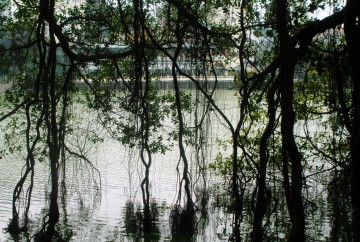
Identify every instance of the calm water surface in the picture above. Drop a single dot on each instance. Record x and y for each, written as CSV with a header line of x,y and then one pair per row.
x,y
93,213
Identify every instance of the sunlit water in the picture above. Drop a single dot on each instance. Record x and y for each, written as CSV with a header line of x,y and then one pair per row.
x,y
90,212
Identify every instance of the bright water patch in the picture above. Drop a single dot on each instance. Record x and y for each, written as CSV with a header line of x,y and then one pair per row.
x,y
90,212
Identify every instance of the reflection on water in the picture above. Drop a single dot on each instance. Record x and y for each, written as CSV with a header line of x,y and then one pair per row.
x,y
106,210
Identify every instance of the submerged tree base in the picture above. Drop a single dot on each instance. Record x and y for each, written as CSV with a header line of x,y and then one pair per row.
x,y
51,234
45,237
137,222
14,227
182,221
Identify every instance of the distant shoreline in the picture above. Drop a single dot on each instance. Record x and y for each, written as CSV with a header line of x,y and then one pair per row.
x,y
223,82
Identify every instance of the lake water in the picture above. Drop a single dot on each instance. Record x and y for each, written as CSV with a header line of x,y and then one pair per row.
x,y
93,213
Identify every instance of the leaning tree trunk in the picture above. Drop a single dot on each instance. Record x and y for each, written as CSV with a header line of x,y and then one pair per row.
x,y
352,34
290,150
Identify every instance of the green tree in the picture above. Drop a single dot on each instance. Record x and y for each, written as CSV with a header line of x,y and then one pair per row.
x,y
114,49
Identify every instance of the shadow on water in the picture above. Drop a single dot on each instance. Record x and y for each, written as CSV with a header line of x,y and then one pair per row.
x,y
177,223
182,222
212,208
134,222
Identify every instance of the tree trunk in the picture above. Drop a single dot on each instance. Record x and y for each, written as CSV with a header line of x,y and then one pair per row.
x,y
352,35
53,144
289,148
261,203
181,130
50,109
